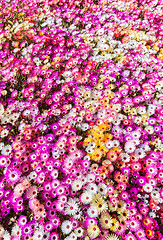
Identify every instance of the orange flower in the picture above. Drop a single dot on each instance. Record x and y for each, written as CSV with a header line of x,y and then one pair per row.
x,y
103,169
41,33
112,156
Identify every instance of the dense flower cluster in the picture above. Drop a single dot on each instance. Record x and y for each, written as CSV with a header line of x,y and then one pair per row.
x,y
81,152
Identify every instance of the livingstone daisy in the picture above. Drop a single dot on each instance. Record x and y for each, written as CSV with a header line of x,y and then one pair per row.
x,y
93,231
112,237
99,203
71,207
105,220
66,227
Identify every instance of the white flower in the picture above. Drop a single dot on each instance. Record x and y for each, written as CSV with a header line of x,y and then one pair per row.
x,y
100,31
1,145
6,235
92,145
66,227
71,206
16,230
102,189
86,197
90,177
130,146
148,188
72,236
38,235
92,212
46,235
142,110
116,121
137,119
77,215
6,150
136,134
136,142
104,47
89,149
1,231
92,188
4,120
109,144
112,237
155,194
145,147
125,157
4,133
32,175
116,143
140,153
149,129
76,185
152,214
85,127
19,190
79,232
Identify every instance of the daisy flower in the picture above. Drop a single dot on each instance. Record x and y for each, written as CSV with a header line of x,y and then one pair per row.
x,y
130,146
112,237
102,189
125,157
93,231
114,225
86,197
31,192
19,190
71,206
105,220
6,235
147,188
66,227
6,150
79,232
130,236
92,212
133,225
12,176
1,231
99,203
38,235
3,161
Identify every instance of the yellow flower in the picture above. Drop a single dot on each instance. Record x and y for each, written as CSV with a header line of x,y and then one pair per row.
x,y
99,86
105,220
116,149
107,136
111,86
103,127
103,149
120,206
45,67
88,140
94,130
99,203
110,96
92,109
133,111
102,79
93,231
114,225
98,136
96,155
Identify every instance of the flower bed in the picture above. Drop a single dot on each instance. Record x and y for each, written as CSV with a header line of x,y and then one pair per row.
x,y
81,153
